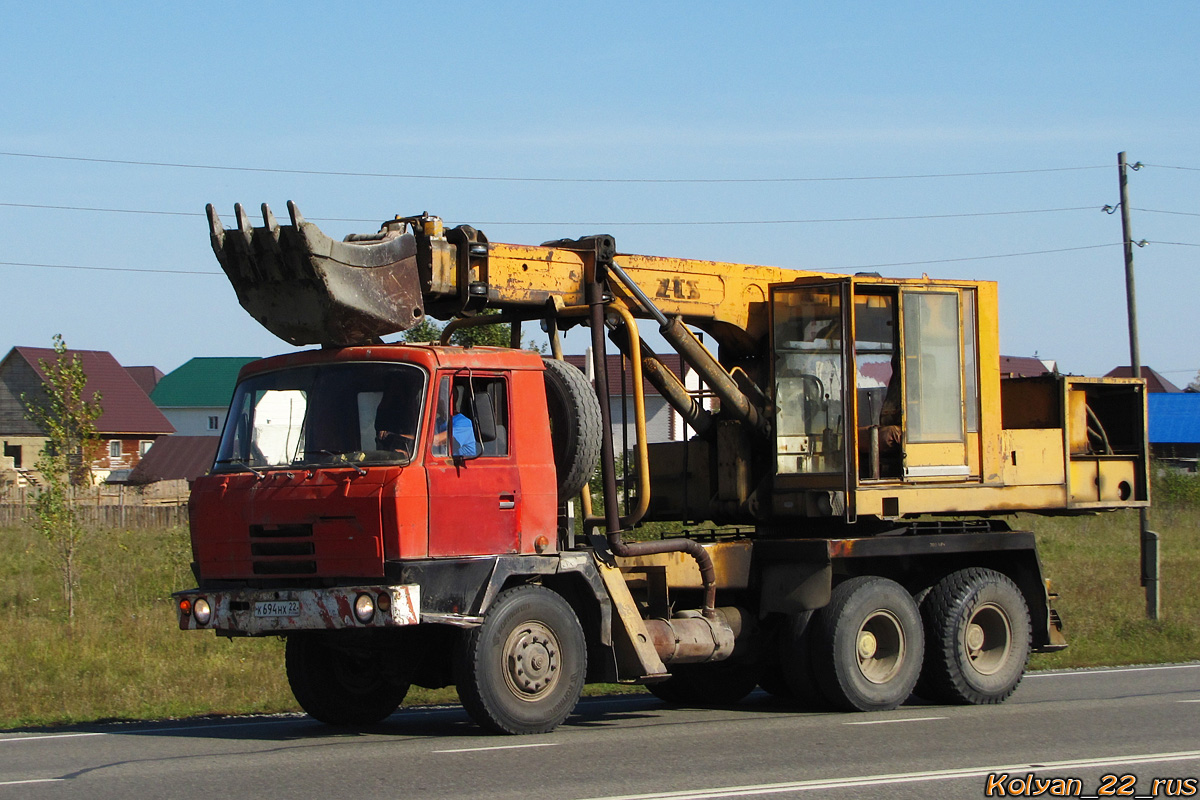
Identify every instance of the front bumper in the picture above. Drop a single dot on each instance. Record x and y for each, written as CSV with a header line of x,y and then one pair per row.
x,y
258,612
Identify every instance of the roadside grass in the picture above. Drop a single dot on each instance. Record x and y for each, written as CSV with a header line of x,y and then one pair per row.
x,y
123,657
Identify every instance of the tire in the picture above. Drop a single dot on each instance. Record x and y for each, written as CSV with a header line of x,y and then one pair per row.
x,y
575,426
703,685
523,669
343,684
867,645
796,662
977,631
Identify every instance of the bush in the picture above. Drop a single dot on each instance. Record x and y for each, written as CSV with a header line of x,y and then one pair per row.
x,y
1172,487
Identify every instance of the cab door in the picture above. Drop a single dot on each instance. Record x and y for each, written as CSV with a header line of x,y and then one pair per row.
x,y
940,382
475,503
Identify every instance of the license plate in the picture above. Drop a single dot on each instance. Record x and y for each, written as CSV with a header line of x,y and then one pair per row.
x,y
277,608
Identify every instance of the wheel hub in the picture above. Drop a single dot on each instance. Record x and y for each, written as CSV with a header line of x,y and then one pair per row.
x,y
867,644
880,646
988,639
531,660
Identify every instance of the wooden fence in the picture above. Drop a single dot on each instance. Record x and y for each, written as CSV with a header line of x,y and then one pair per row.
x,y
157,505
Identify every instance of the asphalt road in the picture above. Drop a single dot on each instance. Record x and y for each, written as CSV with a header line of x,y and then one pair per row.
x,y
1134,725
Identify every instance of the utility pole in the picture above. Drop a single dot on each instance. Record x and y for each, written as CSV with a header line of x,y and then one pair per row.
x,y
1149,539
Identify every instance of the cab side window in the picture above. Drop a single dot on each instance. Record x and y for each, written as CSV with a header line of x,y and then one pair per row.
x,y
472,413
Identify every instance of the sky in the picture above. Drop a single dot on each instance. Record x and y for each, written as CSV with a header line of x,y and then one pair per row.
x,y
962,141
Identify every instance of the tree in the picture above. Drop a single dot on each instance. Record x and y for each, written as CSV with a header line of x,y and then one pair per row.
x,y
1194,386
68,419
472,336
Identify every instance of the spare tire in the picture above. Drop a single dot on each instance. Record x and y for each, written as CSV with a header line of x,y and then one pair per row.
x,y
575,426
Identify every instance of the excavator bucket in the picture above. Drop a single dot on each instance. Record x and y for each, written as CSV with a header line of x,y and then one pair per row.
x,y
309,289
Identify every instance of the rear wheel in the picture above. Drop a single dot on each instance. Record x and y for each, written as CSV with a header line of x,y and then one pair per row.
x,y
867,645
343,682
978,634
522,671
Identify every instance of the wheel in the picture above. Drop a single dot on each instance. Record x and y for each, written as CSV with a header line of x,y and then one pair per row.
x,y
978,638
718,684
796,662
575,426
867,645
344,683
523,669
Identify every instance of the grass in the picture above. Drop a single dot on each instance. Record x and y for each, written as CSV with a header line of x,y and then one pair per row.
x,y
124,658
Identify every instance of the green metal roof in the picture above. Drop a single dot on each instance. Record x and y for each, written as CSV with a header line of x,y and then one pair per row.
x,y
201,382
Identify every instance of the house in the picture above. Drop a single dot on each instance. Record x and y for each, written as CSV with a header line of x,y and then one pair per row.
x,y
663,423
195,397
1174,429
127,428
1026,367
1155,382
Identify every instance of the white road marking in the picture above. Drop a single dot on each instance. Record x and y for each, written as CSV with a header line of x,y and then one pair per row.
x,y
32,780
1108,670
906,777
893,721
48,736
1189,701
499,747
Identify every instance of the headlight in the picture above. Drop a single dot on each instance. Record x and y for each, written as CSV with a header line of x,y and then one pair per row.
x,y
202,611
364,608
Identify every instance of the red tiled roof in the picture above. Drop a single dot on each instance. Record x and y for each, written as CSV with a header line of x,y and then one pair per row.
x,y
1155,382
176,458
1021,367
145,377
127,409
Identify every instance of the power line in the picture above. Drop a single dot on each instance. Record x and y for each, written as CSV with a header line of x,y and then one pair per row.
x,y
1159,211
1176,244
821,269
971,258
516,179
605,224
1168,166
105,269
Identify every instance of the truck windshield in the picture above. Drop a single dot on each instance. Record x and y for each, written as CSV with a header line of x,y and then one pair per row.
x,y
327,415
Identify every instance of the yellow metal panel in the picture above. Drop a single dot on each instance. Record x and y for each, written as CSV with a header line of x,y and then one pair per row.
x,y
1102,480
1084,474
987,314
1077,420
731,560
1032,457
960,499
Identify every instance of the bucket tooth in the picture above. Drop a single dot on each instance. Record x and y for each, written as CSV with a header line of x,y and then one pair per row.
x,y
243,223
269,221
294,213
216,230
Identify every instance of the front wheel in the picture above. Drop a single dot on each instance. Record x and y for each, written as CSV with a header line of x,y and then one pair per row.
x,y
342,682
978,630
867,645
523,669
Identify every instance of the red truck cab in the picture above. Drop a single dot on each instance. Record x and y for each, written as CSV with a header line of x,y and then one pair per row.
x,y
335,463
